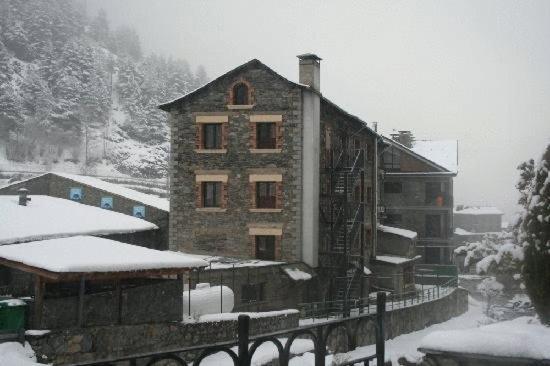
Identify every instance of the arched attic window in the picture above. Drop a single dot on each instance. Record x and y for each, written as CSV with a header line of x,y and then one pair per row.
x,y
240,94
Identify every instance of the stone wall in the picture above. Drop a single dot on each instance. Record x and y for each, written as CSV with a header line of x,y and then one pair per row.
x,y
93,343
226,232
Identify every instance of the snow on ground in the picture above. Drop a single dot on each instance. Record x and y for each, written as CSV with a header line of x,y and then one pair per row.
x,y
406,345
15,354
397,231
92,254
522,337
47,217
265,353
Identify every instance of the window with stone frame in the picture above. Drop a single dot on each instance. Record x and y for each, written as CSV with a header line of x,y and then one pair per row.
x,y
266,135
240,94
211,194
266,194
212,135
265,247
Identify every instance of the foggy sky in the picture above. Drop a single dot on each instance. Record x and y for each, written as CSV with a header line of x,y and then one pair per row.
x,y
476,71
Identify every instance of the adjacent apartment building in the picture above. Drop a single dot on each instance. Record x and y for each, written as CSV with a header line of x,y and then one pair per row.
x,y
263,167
417,192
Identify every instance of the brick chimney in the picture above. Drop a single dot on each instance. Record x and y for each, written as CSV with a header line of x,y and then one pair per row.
x,y
310,70
404,138
23,199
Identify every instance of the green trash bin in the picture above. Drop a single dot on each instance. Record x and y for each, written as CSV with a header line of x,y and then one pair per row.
x,y
12,314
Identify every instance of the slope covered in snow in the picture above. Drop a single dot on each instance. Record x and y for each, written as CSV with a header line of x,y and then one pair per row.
x,y
441,152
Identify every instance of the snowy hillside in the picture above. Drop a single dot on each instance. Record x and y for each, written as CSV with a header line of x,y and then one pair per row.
x,y
77,95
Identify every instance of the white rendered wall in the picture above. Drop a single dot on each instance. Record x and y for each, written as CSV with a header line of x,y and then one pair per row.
x,y
311,105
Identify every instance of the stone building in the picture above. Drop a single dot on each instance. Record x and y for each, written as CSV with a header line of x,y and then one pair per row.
x,y
96,192
417,192
263,167
478,219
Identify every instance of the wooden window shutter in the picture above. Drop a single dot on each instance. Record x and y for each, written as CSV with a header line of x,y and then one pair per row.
x,y
279,134
278,240
198,194
279,195
252,135
225,135
198,136
223,203
252,194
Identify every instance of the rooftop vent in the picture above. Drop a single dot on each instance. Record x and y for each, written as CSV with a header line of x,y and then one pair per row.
x,y
23,192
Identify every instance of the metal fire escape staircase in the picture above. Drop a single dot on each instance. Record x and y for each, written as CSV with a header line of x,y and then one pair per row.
x,y
342,212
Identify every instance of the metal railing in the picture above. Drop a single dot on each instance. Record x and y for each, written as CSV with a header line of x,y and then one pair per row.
x,y
247,345
327,310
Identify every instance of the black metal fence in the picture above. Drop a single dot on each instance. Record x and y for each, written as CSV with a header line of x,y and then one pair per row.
x,y
327,310
246,345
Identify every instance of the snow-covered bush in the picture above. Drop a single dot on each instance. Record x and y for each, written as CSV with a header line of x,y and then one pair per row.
x,y
534,234
491,289
497,255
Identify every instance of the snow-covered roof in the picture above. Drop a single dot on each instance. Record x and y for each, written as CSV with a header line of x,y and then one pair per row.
x,y
146,199
47,217
218,262
398,231
393,259
441,152
297,274
522,337
93,254
478,210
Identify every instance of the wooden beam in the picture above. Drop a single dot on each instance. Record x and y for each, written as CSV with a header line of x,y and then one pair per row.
x,y
81,293
49,276
45,274
38,301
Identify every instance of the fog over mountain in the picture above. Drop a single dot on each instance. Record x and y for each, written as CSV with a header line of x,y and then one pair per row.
x,y
476,71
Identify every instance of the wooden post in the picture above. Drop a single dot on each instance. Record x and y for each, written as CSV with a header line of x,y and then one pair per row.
x,y
119,301
243,339
380,337
38,301
189,295
81,292
321,348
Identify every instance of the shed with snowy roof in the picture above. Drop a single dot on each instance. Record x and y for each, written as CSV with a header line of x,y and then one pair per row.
x,y
45,217
478,219
395,257
86,280
96,192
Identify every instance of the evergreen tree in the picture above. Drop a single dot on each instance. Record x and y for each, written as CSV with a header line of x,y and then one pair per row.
x,y
535,237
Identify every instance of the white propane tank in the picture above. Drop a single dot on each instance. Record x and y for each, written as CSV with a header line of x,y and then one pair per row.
x,y
206,300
